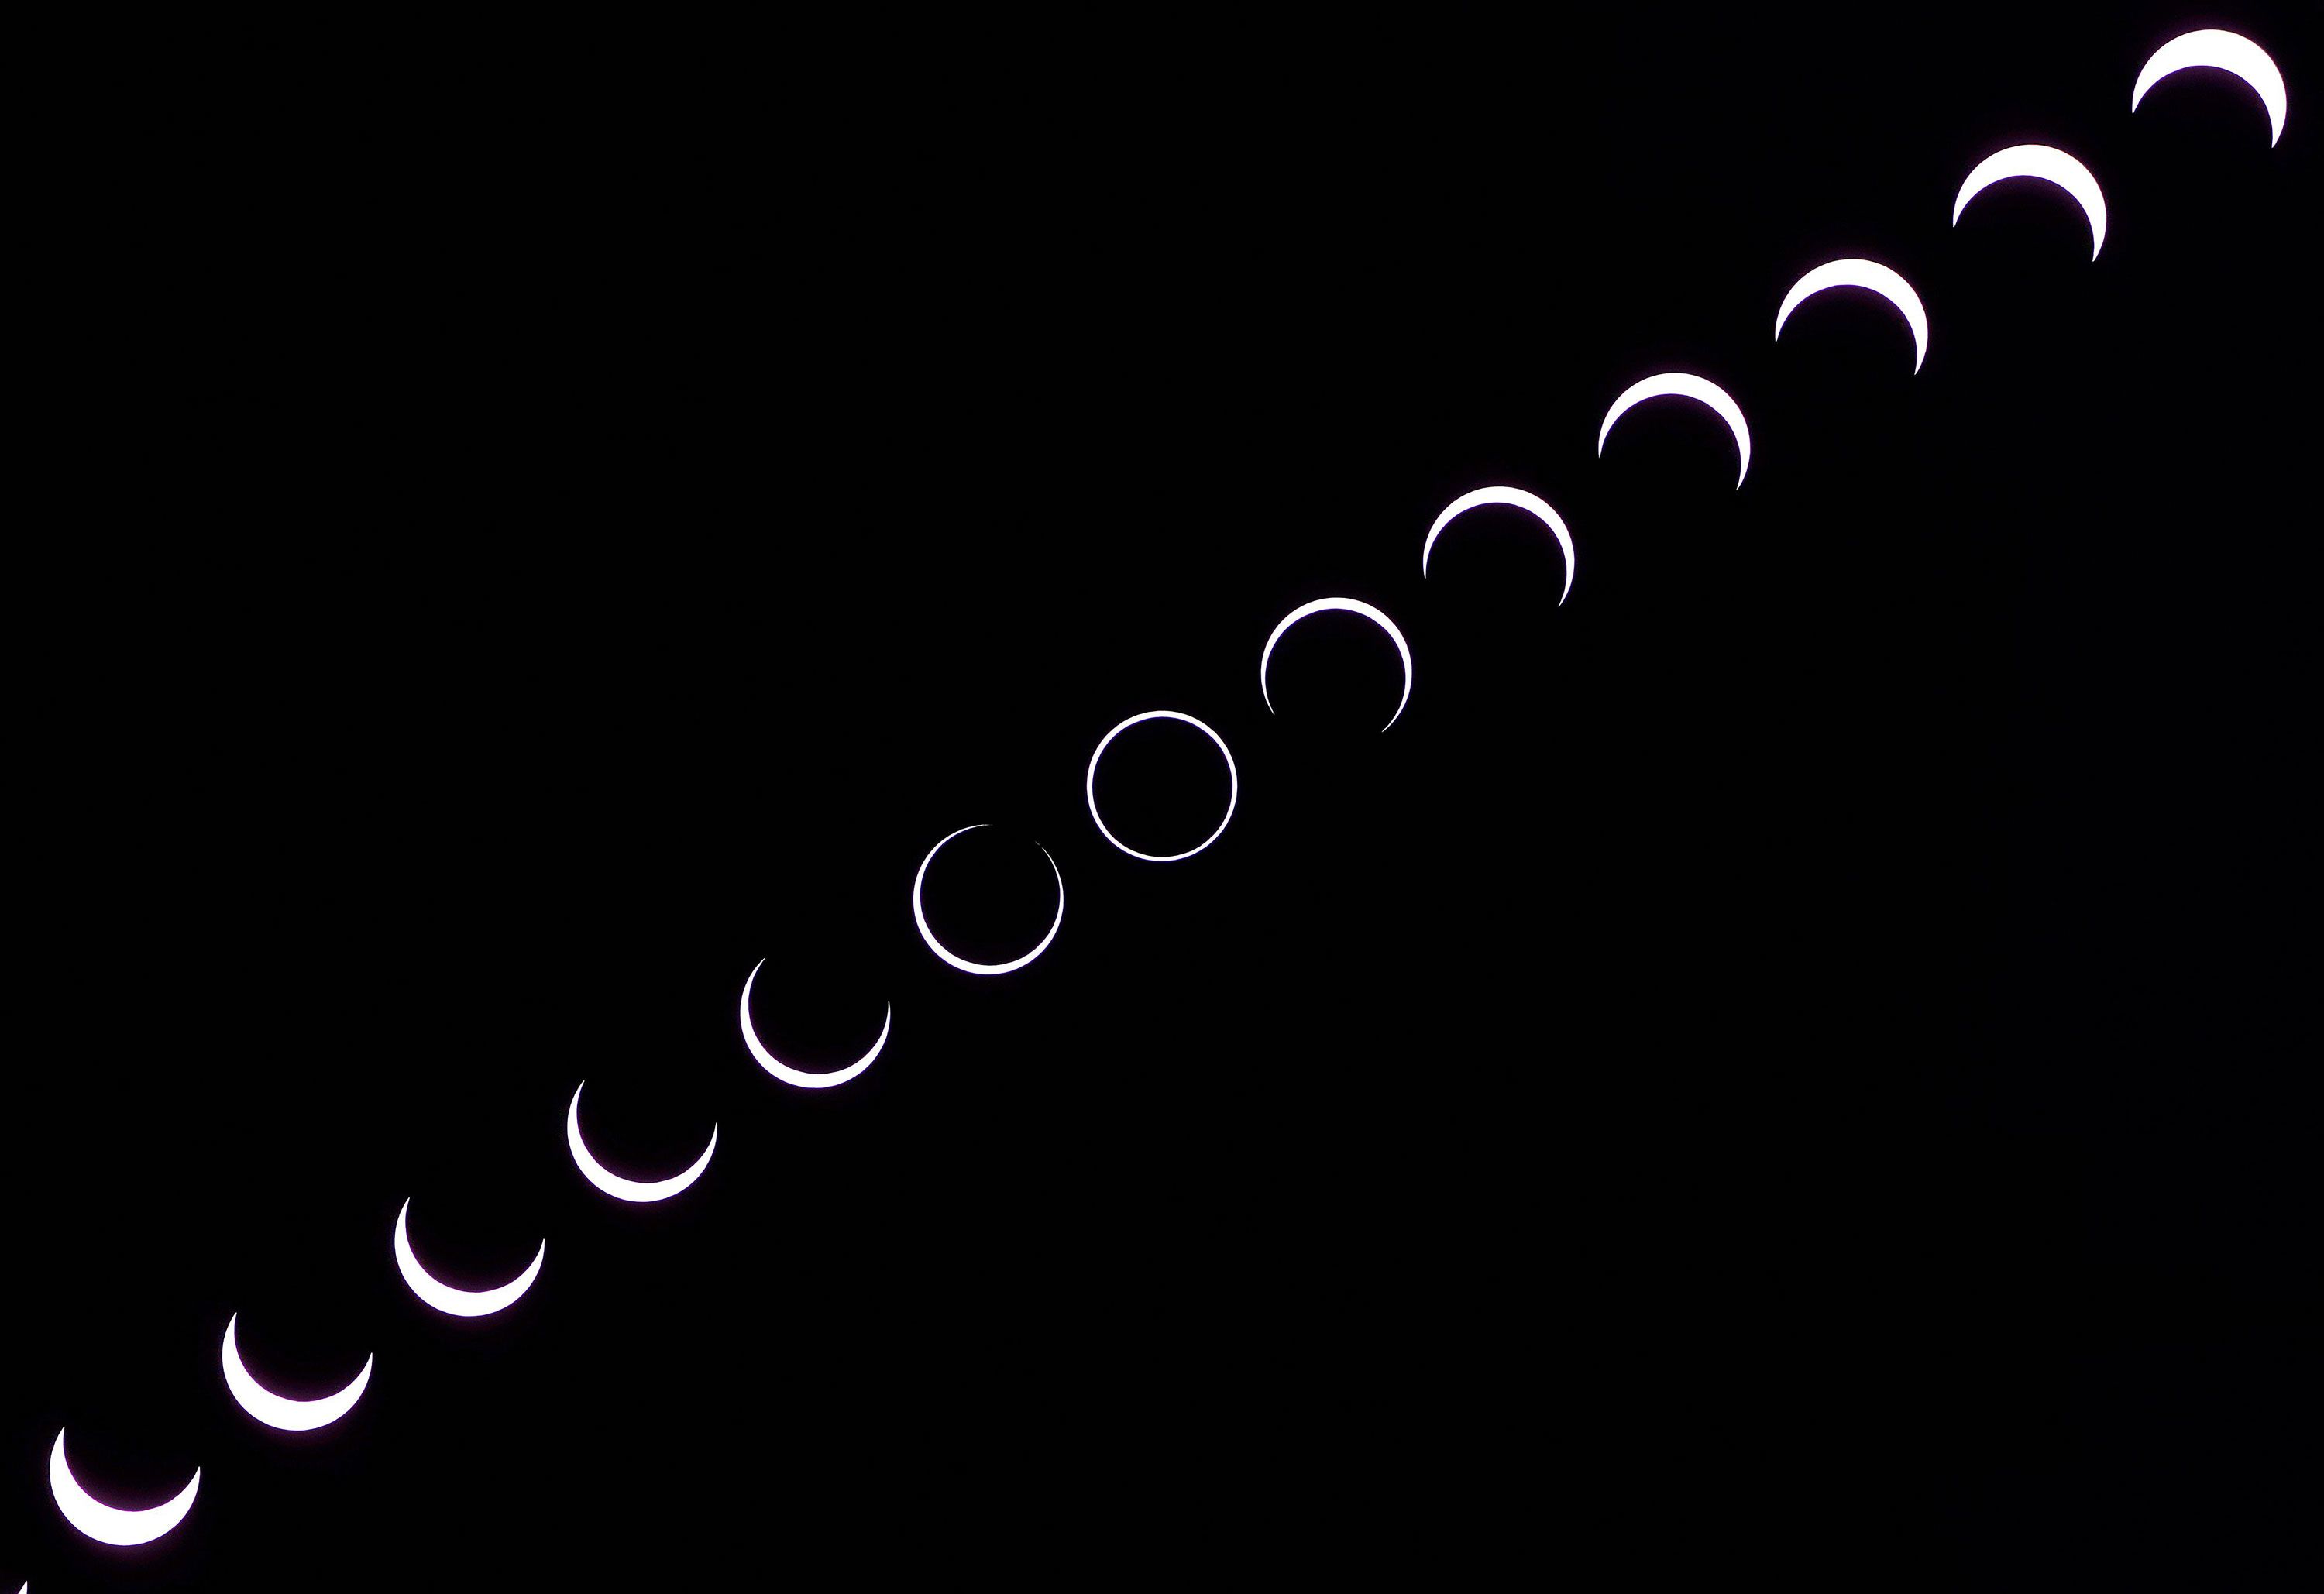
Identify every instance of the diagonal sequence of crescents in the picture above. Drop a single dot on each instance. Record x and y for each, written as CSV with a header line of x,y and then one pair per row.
x,y
2209,47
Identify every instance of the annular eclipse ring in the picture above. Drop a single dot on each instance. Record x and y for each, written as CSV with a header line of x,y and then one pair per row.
x,y
1234,786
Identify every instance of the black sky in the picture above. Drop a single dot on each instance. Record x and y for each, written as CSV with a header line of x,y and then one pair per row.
x,y
1800,1062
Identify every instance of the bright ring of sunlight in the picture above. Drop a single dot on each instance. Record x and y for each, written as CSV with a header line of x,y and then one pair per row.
x,y
1514,498
2229,52
1870,274
1235,787
799,1076
1351,606
109,1525
2050,165
443,1296
277,1411
1678,384
962,963
611,1183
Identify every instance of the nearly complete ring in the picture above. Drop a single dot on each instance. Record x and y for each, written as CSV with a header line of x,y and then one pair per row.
x,y
954,959
1234,786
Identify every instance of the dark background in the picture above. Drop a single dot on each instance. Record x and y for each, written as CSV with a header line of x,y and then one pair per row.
x,y
1801,1062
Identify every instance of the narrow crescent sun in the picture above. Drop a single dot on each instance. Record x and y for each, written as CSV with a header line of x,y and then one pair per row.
x,y
1679,384
444,1297
1350,606
1867,274
2051,166
277,1410
1514,498
799,1076
611,1183
110,1525
2229,52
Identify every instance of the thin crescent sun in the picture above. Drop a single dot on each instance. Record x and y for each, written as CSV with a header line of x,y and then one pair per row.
x,y
611,1183
2229,52
1679,384
2051,166
277,1410
1350,606
444,1297
110,1525
1514,498
799,1076
1871,275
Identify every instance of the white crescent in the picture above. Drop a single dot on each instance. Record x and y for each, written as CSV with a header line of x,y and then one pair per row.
x,y
800,1077
1234,786
2055,166
2229,52
962,963
109,1525
1514,498
1351,606
1678,384
458,1303
1866,274
611,1183
276,1411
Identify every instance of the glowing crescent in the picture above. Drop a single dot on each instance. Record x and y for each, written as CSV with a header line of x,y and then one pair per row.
x,y
1863,273
1515,498
962,963
1351,606
276,1411
1234,785
2230,52
109,1525
794,1076
1678,384
611,1183
443,1296
2051,166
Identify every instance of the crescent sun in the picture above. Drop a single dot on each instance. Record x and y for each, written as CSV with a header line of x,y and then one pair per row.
x,y
458,1303
797,1076
2053,166
611,1183
1678,384
109,1525
962,963
1866,274
1351,606
277,1411
2229,52
1234,785
1514,498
